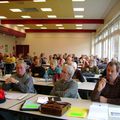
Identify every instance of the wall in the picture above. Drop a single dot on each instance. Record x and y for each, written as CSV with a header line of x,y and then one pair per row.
x,y
6,43
50,43
114,12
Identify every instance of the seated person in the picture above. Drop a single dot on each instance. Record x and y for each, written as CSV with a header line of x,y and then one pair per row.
x,y
107,89
54,71
78,75
37,70
70,62
20,81
66,86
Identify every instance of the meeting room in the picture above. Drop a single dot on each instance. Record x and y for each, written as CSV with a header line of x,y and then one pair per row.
x,y
59,60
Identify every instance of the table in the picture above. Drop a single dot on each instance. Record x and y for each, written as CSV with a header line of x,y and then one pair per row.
x,y
74,102
84,88
10,102
93,79
38,114
42,87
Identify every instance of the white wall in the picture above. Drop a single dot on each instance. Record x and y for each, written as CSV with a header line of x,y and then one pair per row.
x,y
6,43
114,12
50,43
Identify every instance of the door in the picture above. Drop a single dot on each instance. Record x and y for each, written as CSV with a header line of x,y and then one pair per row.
x,y
24,49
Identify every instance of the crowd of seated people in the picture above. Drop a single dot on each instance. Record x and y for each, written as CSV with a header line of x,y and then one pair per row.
x,y
83,65
62,70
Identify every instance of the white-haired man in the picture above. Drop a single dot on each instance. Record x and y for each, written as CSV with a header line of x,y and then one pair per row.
x,y
66,87
20,81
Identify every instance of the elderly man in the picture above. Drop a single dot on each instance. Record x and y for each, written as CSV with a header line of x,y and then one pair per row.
x,y
20,81
66,87
107,89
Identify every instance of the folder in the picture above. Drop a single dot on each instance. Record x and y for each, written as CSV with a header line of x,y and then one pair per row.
x,y
77,112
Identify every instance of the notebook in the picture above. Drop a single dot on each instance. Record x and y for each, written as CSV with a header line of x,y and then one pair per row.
x,y
30,106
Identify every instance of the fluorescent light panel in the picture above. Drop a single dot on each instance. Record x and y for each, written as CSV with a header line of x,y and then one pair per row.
x,y
20,25
43,27
46,9
78,0
2,17
26,28
52,16
79,25
59,25
25,16
39,25
79,28
39,0
4,1
79,16
16,10
78,9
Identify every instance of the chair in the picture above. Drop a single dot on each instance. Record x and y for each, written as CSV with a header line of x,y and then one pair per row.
x,y
78,96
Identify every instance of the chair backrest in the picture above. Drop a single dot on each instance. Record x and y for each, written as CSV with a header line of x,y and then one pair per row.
x,y
78,95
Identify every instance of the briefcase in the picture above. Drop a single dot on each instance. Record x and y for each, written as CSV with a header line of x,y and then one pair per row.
x,y
55,108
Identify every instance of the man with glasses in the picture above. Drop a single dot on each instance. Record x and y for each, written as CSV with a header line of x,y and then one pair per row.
x,y
66,86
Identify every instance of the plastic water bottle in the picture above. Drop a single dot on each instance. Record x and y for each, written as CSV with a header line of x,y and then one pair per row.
x,y
46,76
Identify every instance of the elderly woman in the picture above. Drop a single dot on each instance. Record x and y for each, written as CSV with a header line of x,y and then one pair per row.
x,y
66,86
54,71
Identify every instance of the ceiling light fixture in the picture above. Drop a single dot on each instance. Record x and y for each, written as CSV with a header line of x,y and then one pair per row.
x,y
78,0
3,17
26,28
59,25
79,25
25,16
39,0
78,9
4,1
39,25
46,9
43,27
16,10
79,28
52,16
79,16
20,25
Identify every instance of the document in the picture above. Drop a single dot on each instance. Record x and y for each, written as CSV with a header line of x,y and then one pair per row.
x,y
98,111
16,96
114,112
42,100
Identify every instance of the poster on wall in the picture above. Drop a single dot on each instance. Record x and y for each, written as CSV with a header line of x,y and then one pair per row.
x,y
6,48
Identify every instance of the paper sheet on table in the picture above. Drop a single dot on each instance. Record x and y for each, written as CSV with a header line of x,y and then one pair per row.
x,y
77,112
98,111
17,96
42,100
114,112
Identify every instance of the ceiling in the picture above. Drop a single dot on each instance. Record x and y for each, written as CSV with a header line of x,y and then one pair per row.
x,y
94,14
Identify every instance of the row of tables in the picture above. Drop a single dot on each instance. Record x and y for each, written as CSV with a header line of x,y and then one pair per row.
x,y
14,106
